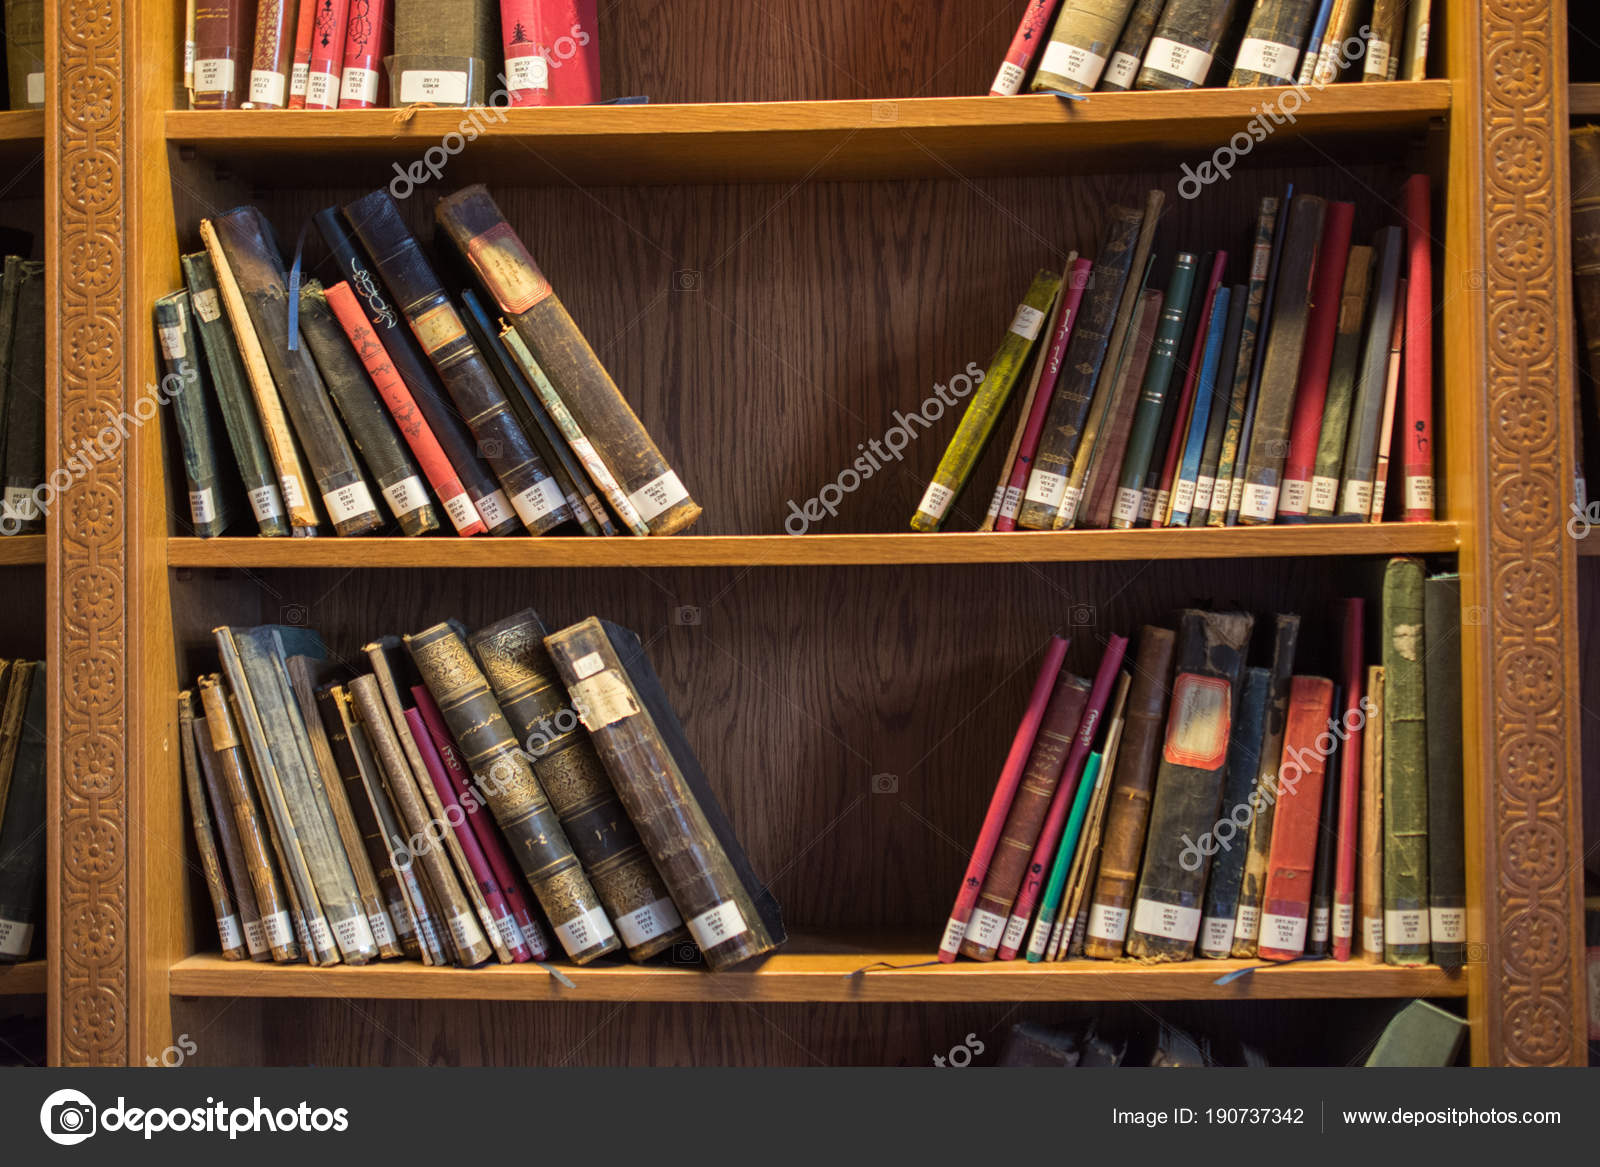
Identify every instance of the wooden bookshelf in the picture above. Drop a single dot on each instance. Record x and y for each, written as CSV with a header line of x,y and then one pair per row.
x,y
26,979
22,550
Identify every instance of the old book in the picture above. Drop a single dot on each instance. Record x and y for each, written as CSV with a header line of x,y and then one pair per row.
x,y
232,768
1047,920
1385,41
1128,810
444,54
229,844
228,381
24,458
1391,393
527,73
1005,791
510,785
508,273
371,428
1355,717
1447,876
1081,42
1322,14
1155,504
519,669
273,54
1414,60
988,400
9,288
1222,397
1280,369
1122,70
1232,832
1067,943
1342,371
1332,56
1030,34
1585,156
367,39
15,678
1302,768
25,56
427,308
731,914
325,65
1416,449
1100,488
22,833
1319,938
1086,353
1264,792
1267,219
175,336
1184,488
1406,935
1311,387
224,37
1421,1034
1370,889
230,930
1274,37
300,59
1184,44
1366,410
1188,791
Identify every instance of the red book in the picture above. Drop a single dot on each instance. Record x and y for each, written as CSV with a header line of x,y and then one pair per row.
x,y
527,77
224,37
1354,719
1032,32
301,71
362,84
424,446
1180,431
490,841
1000,804
1311,392
327,53
1044,852
1307,742
1416,451
568,39
1077,280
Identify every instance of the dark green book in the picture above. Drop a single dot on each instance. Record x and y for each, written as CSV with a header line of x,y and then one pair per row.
x,y
185,392
22,833
1341,384
1421,1034
1405,766
1232,832
1447,873
1366,413
1260,264
1269,54
1194,321
23,366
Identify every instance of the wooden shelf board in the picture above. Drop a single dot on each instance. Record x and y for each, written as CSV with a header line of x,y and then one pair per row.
x,y
26,979
1583,100
16,549
820,550
22,150
811,969
928,137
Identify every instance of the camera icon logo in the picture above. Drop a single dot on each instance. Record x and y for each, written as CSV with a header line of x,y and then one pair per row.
x,y
68,1117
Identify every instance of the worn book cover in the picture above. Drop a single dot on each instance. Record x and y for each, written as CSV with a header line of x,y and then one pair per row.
x,y
1183,47
1302,772
1267,216
1447,876
1233,824
224,37
229,843
444,54
1366,411
273,54
1276,33
230,929
1122,70
1342,374
23,460
1406,923
209,512
1081,42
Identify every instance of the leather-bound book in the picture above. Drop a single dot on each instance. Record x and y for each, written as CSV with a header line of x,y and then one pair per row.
x,y
519,669
1232,831
246,239
1184,44
1185,487
444,54
324,73
1302,768
371,428
25,72
1341,384
175,337
15,677
731,914
437,325
1122,70
300,70
1100,490
528,303
1447,875
229,844
1267,215
1405,766
1128,811
224,37
273,55
24,460
509,784
1273,40
1384,44
1366,411
368,35
1188,791
1264,793
230,930
22,833
986,928
1222,400
1081,42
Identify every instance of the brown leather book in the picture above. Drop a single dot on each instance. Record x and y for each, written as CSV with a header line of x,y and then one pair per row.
x,y
1101,488
230,930
1129,809
1026,817
224,35
229,844
273,53
444,53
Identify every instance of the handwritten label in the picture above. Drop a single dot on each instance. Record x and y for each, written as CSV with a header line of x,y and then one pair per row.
x,y
1197,733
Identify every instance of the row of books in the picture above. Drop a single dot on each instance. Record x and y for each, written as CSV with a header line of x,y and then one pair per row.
x,y
22,377
1277,398
22,807
1117,45
360,54
410,810
24,55
1204,805
487,409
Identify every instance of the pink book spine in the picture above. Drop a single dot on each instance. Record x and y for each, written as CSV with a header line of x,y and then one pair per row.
x,y
1044,851
569,39
327,53
489,837
1031,33
1180,431
1077,280
1355,713
477,863
300,73
1417,446
362,84
1000,804
527,71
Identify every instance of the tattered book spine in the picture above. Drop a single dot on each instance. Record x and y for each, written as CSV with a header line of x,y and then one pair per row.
x,y
444,53
208,510
1370,868
1273,40
229,843
1184,44
230,930
1302,774
1406,935
1080,45
1233,823
1122,70
1231,458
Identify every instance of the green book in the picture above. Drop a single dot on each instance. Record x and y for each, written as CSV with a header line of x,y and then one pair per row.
x,y
966,446
208,504
1447,872
1421,1034
1341,383
1405,767
1050,907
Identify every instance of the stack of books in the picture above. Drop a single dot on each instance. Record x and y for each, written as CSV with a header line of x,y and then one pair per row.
x,y
22,807
467,798
487,410
22,367
1202,805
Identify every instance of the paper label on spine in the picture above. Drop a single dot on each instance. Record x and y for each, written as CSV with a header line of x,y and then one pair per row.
x,y
1197,730
440,86
588,665
461,511
1074,62
1008,82
382,934
1357,498
935,500
438,327
648,922
1448,925
255,937
354,933
1378,54
1379,489
1372,934
20,504
292,494
35,88
529,72
1419,492
406,496
1125,508
1344,921
1108,923
718,925
1324,493
510,934
1248,925
538,500
1027,322
266,503
213,75
1258,502
1283,933
1269,57
228,931
1405,926
1216,934
1202,496
206,305
507,269
1178,59
172,346
535,938
494,509
359,85
1147,505
1182,499
1296,493
1046,489
658,496
1154,918
1319,925
322,90
954,932
1016,929
347,502
202,508
1011,503
464,930
278,929
299,74
317,932
1122,70
429,934
985,928
602,700
266,87
1068,514
15,938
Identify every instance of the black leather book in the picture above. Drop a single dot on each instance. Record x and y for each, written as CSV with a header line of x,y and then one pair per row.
x,y
185,391
1447,873
24,455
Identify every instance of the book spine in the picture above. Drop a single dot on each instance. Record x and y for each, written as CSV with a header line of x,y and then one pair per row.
x,y
1128,810
1270,52
324,76
1100,490
1048,918
1319,938
1366,412
1324,498
443,55
1019,56
1384,43
988,400
300,66
527,76
1311,391
1371,866
1414,62
1319,32
25,460
569,43
1332,57
1122,70
1286,909
1222,393
362,83
1417,443
1221,909
273,57
1066,941
23,869
1184,44
1391,391
1081,42
512,789
1356,715
229,927
1176,415
1405,767
1184,489
519,669
228,841
1447,875
223,32
1005,791
208,509
481,233
1255,297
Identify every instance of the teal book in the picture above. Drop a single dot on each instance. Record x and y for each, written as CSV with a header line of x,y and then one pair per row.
x,y
1050,906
